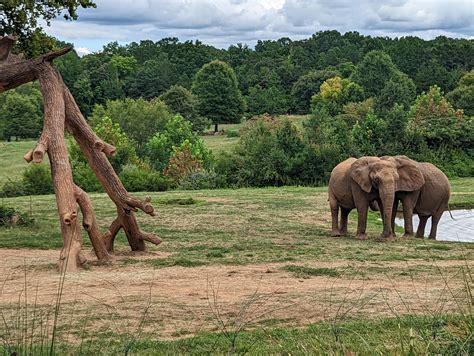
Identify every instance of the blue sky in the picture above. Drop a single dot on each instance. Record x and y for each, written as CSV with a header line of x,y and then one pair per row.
x,y
225,22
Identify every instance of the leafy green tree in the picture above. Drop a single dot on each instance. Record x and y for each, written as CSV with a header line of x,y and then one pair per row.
x,y
152,78
433,73
368,135
399,89
463,96
336,92
181,101
70,67
177,133
435,120
306,86
374,71
21,113
271,100
396,119
83,93
138,118
217,90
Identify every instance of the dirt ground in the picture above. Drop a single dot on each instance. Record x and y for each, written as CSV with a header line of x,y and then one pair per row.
x,y
183,301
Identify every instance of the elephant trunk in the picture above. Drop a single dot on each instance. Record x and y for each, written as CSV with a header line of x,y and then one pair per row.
x,y
387,196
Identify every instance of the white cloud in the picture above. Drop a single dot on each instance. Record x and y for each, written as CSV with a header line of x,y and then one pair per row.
x,y
225,22
82,51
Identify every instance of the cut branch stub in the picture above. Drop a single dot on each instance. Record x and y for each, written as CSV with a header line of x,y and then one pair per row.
x,y
6,45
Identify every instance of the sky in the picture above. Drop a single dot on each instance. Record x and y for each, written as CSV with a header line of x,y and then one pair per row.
x,y
224,22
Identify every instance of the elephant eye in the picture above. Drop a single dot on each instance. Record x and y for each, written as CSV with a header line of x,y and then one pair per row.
x,y
376,180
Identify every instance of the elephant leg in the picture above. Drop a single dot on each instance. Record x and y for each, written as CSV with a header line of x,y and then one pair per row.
x,y
434,224
394,215
420,232
334,216
408,219
362,220
344,217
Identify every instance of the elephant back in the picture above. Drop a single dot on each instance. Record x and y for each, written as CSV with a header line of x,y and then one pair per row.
x,y
435,193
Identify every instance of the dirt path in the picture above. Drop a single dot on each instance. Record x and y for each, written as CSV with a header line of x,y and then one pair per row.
x,y
185,301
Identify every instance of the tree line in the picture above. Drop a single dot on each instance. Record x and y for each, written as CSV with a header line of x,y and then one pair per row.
x,y
365,96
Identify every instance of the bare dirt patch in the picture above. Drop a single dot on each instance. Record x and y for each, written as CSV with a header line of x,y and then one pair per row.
x,y
184,300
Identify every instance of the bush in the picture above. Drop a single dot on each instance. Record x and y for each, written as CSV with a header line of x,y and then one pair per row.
x,y
182,163
137,179
12,217
138,119
176,133
198,180
37,180
85,178
13,188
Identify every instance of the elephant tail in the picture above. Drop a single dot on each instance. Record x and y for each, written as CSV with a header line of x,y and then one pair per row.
x,y
452,217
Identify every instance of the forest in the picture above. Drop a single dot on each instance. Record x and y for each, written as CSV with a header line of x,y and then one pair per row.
x,y
302,106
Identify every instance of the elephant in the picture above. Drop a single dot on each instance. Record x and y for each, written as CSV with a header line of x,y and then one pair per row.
x,y
358,183
431,200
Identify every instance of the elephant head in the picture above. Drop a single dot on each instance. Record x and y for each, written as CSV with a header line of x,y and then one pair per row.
x,y
383,177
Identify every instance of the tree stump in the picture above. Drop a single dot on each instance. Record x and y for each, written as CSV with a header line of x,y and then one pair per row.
x,y
62,113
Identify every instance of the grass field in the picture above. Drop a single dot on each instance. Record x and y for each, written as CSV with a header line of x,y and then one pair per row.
x,y
239,271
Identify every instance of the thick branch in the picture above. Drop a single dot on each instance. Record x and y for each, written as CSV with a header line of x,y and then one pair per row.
x,y
14,71
52,139
89,223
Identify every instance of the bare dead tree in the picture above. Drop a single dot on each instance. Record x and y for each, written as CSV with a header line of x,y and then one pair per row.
x,y
62,113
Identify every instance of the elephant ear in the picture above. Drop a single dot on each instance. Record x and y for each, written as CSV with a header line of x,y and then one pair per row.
x,y
360,172
410,175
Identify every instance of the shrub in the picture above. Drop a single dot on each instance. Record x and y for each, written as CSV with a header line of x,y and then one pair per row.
x,y
182,163
176,133
368,135
198,180
13,217
37,180
86,178
138,118
13,188
136,179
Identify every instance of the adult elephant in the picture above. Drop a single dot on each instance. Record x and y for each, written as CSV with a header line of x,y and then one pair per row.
x,y
431,200
357,183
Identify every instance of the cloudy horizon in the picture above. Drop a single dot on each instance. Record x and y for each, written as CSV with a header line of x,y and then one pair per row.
x,y
224,22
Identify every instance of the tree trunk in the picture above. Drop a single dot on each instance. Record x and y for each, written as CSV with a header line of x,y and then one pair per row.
x,y
215,128
61,112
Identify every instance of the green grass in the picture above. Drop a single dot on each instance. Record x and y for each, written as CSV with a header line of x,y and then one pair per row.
x,y
238,227
220,143
307,272
285,225
407,335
